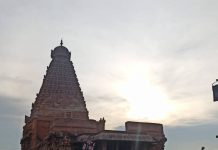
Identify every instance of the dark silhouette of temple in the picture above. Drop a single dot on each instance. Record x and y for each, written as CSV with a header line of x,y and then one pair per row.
x,y
59,118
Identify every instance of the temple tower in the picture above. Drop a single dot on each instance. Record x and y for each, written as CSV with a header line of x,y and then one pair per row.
x,y
59,105
60,93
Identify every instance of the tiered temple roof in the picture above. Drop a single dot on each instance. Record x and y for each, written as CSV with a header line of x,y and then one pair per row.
x,y
60,88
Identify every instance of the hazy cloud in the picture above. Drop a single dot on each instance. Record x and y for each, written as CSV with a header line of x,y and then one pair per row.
x,y
108,106
12,120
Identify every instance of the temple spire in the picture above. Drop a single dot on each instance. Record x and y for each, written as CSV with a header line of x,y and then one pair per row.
x,y
60,88
61,42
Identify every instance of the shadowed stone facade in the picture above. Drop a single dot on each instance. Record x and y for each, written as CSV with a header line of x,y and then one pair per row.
x,y
59,118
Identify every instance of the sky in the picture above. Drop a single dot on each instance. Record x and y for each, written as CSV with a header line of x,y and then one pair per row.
x,y
141,60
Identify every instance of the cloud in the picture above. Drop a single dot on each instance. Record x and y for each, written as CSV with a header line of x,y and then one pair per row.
x,y
11,131
12,111
108,106
193,137
16,86
11,107
17,79
120,128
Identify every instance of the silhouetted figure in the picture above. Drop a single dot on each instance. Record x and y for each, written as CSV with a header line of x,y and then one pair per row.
x,y
202,148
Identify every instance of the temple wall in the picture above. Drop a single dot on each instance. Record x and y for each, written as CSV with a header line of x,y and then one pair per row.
x,y
146,128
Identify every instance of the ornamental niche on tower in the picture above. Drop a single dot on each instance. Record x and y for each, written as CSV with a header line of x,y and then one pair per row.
x,y
59,118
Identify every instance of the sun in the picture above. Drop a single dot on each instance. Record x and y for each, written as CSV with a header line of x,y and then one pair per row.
x,y
147,101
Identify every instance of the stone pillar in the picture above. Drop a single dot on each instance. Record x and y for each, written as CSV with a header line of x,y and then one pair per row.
x,y
117,145
132,146
103,145
144,146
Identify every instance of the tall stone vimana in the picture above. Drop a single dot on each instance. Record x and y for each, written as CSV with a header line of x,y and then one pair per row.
x,y
59,118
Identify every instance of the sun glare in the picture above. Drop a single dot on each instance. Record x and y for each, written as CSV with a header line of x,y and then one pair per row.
x,y
147,101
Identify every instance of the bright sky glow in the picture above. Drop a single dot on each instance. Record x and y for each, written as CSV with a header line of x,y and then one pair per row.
x,y
143,96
